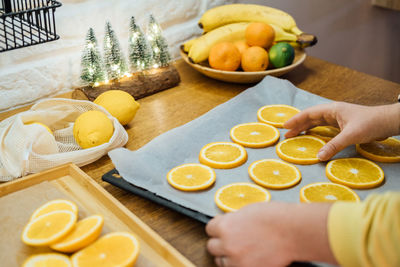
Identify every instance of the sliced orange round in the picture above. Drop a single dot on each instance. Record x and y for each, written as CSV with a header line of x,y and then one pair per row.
x,y
191,177
387,150
53,205
234,196
327,192
113,249
48,259
84,233
276,115
355,172
223,155
274,174
254,134
325,133
300,149
48,228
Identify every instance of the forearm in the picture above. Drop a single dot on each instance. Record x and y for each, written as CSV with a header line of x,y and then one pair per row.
x,y
392,118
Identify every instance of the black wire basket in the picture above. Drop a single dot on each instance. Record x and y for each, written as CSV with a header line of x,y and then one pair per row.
x,y
27,22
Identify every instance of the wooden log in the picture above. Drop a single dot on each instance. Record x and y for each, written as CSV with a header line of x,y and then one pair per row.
x,y
138,85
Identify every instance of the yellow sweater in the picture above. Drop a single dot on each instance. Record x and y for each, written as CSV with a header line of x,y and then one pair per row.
x,y
368,233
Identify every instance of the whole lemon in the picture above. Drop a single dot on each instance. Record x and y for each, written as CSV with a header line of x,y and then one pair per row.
x,y
120,104
41,124
92,128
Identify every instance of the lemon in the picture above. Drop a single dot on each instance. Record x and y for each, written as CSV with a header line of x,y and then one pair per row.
x,y
92,128
120,104
281,55
41,124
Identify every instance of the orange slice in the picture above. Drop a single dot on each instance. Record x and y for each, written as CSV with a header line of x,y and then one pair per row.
x,y
48,259
325,133
276,115
382,151
234,196
191,177
48,228
355,172
113,249
223,155
274,174
84,233
300,149
53,205
254,134
327,192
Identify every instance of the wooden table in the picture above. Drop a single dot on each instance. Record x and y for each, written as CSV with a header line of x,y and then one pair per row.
x,y
196,95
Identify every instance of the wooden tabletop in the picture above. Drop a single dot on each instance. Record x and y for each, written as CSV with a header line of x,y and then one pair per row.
x,y
196,95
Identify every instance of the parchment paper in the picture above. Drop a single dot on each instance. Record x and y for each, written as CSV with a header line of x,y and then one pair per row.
x,y
148,166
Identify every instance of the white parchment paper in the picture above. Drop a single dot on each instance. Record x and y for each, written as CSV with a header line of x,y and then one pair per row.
x,y
148,166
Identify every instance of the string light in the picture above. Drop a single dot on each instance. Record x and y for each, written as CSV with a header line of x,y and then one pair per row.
x,y
96,84
155,65
90,45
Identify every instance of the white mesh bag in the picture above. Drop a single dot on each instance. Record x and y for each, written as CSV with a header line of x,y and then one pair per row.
x,y
30,148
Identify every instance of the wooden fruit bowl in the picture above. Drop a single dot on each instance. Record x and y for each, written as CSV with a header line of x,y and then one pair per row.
x,y
241,76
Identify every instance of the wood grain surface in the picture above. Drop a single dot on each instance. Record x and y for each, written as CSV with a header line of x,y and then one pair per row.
x,y
197,94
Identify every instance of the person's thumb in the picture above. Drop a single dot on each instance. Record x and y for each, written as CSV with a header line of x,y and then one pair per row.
x,y
334,146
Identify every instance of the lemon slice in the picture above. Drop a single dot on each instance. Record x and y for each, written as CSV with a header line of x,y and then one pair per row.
x,y
48,259
327,192
85,232
300,149
53,205
274,174
382,151
355,172
113,249
237,195
276,115
223,155
191,177
325,133
254,134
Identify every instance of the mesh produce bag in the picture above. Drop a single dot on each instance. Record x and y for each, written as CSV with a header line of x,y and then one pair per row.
x,y
31,148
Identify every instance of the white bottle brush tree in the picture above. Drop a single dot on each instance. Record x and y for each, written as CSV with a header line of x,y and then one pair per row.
x,y
159,45
91,62
140,55
115,64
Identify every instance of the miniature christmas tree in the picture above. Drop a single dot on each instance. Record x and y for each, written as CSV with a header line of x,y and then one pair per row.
x,y
114,61
161,56
92,65
140,56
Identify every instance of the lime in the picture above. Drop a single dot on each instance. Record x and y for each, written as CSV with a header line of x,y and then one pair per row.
x,y
281,55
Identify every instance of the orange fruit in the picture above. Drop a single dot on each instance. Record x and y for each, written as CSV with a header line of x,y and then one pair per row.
x,y
53,205
191,177
224,56
382,151
327,192
255,58
254,134
326,133
355,173
276,115
241,46
48,259
259,34
223,155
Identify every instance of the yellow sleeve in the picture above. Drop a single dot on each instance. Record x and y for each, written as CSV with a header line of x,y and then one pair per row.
x,y
367,233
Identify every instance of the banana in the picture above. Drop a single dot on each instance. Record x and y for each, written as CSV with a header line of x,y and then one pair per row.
x,y
227,14
188,44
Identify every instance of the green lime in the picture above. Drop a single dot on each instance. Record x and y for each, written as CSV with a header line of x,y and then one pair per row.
x,y
281,55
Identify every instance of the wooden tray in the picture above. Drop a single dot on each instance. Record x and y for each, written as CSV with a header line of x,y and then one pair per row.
x,y
17,202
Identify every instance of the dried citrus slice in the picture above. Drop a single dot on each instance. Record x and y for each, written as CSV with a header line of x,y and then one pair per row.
x,y
113,249
326,133
234,196
223,155
191,177
274,174
276,115
254,134
85,232
48,259
382,151
53,205
355,172
48,228
327,192
300,149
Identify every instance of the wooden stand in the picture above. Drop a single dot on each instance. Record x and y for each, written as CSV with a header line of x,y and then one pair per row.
x,y
138,85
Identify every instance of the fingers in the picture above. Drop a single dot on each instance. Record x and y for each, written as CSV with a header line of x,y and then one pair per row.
x,y
334,146
214,246
212,227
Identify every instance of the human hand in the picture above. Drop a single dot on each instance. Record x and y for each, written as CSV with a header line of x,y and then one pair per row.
x,y
358,124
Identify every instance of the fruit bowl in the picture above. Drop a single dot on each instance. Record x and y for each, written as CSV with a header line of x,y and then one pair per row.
x,y
241,76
